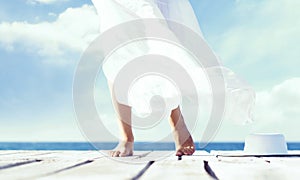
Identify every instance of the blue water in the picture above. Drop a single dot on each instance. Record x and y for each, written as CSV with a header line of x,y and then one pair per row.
x,y
106,146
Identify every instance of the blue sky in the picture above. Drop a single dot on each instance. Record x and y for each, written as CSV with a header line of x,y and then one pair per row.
x,y
41,42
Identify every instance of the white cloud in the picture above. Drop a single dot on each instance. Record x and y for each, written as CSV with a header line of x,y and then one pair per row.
x,y
262,30
44,1
276,111
280,104
72,31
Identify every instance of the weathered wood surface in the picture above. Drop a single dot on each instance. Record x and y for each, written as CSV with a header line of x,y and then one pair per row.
x,y
143,165
189,167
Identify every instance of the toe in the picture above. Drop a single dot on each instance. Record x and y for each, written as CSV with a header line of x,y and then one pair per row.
x,y
179,153
116,154
188,150
111,153
123,154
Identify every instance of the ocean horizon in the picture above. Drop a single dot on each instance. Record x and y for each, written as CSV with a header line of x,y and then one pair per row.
x,y
139,146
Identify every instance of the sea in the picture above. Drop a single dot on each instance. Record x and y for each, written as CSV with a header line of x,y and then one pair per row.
x,y
159,146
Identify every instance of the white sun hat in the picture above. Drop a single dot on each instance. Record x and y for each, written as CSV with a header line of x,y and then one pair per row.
x,y
265,144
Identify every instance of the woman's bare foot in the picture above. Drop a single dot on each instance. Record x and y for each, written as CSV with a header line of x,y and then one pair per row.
x,y
123,149
184,142
186,148
125,146
182,137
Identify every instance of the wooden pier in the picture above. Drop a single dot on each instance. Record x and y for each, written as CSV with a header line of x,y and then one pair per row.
x,y
94,165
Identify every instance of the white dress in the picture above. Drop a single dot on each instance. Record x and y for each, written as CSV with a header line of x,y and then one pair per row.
x,y
240,97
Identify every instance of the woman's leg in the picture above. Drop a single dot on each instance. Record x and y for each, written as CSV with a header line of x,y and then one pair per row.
x,y
183,139
125,146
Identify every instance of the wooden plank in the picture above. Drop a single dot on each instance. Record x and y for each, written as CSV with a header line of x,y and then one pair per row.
x,y
107,168
23,155
48,163
237,165
14,154
17,164
189,167
290,166
7,152
99,169
228,153
246,168
17,158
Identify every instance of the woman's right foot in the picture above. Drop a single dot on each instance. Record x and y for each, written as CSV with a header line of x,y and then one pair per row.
x,y
123,149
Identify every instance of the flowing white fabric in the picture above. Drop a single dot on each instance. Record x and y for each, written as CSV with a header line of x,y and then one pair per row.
x,y
239,96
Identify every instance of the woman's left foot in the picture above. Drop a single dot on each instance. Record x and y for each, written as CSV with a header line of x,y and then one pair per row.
x,y
186,148
183,141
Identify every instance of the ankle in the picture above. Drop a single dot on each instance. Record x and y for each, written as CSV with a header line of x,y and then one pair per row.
x,y
127,139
